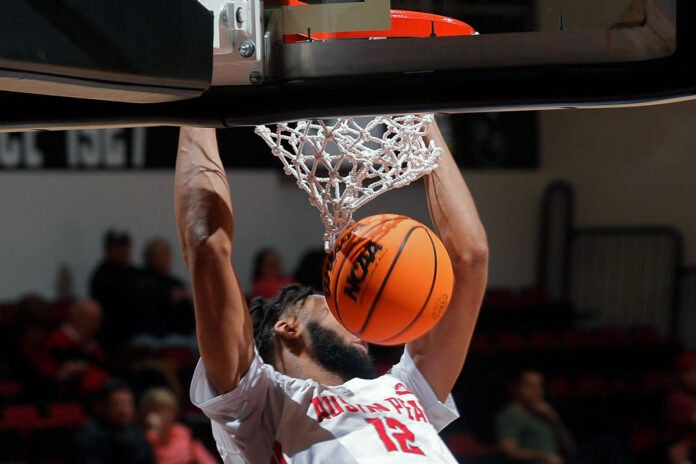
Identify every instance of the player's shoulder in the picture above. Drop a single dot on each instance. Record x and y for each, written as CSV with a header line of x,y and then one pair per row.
x,y
383,382
281,380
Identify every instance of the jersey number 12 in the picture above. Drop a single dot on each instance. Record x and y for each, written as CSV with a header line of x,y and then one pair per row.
x,y
399,432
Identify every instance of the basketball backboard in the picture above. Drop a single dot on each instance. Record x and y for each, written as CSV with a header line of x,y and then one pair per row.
x,y
288,59
300,44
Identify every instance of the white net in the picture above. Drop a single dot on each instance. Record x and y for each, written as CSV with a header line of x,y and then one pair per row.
x,y
344,164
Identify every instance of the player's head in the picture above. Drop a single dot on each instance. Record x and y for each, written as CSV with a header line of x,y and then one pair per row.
x,y
529,387
298,321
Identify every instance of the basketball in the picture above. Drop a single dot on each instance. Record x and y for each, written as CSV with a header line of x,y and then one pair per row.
x,y
388,279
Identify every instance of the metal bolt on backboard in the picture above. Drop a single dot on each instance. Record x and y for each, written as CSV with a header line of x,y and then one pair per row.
x,y
256,78
247,48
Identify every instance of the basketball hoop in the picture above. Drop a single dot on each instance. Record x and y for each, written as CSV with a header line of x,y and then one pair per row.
x,y
345,164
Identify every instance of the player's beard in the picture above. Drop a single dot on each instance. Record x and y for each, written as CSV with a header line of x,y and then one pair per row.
x,y
335,356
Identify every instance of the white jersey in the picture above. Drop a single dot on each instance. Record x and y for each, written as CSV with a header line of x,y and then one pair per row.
x,y
272,418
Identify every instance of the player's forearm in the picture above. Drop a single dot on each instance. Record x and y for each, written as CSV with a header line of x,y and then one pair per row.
x,y
205,226
453,211
456,220
202,196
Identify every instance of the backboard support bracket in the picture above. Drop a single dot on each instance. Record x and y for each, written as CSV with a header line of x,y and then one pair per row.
x,y
239,60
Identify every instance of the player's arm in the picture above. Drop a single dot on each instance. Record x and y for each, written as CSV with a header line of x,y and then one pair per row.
x,y
206,229
439,355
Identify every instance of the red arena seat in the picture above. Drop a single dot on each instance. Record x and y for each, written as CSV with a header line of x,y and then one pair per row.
x,y
591,385
65,415
19,417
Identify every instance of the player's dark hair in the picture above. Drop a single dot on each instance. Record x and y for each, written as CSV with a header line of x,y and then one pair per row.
x,y
265,314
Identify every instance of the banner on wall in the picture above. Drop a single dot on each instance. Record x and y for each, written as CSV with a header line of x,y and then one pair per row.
x,y
477,141
121,149
81,149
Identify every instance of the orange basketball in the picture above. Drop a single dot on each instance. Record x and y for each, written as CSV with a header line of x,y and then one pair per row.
x,y
388,279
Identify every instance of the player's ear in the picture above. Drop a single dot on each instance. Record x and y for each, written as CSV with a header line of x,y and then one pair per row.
x,y
288,327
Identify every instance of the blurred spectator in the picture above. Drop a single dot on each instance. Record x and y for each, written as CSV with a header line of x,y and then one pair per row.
x,y
309,272
30,358
79,361
681,410
112,436
115,285
169,305
268,274
172,442
64,285
529,429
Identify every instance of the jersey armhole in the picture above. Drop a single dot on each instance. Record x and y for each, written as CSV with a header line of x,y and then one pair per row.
x,y
440,414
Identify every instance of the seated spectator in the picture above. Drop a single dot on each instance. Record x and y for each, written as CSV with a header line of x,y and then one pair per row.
x,y
29,357
268,277
681,410
309,272
169,305
529,429
115,284
79,361
168,319
172,442
112,437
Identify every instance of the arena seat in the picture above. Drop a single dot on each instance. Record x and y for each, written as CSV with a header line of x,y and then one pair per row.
x,y
511,341
65,415
60,311
48,445
181,356
559,387
657,380
609,337
466,444
641,441
535,296
577,339
23,417
9,388
545,341
500,297
591,385
12,445
7,310
481,343
618,387
644,335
